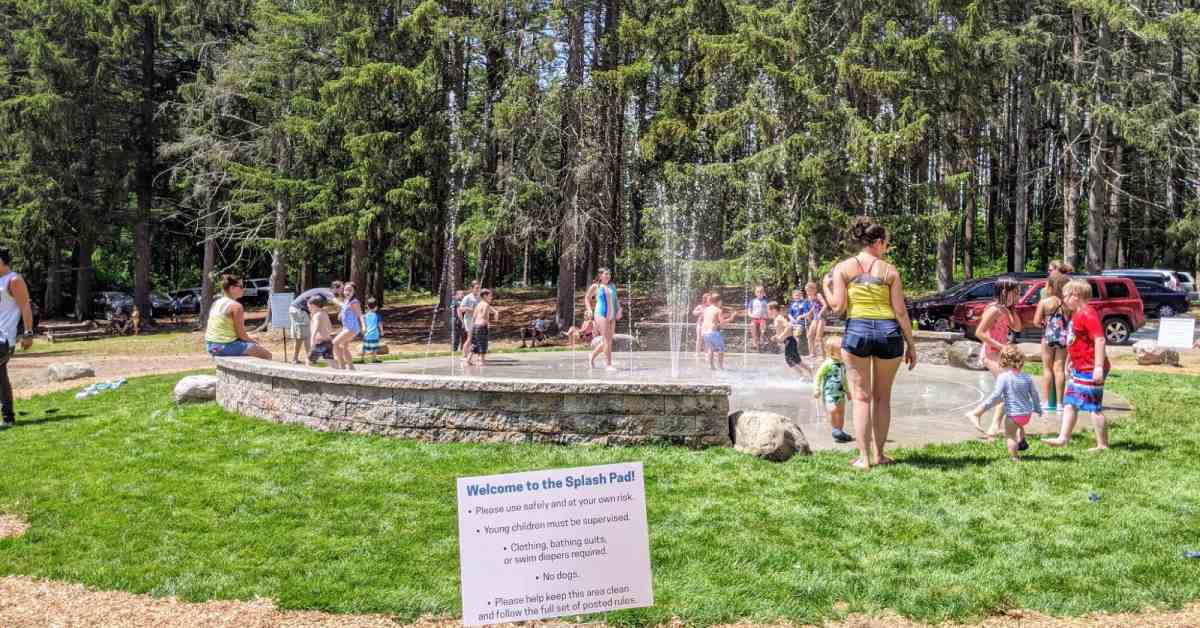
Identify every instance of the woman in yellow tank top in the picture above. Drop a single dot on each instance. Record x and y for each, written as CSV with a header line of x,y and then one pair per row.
x,y
868,290
225,335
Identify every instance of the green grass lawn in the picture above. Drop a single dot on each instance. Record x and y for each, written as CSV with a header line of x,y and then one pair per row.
x,y
127,491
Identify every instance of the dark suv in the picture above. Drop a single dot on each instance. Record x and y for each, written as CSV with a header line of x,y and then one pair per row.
x,y
1161,301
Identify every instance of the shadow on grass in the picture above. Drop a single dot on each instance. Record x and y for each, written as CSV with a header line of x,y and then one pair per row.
x,y
1128,446
929,461
54,418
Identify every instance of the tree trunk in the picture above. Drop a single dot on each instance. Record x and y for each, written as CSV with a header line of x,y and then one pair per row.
x,y
307,280
207,289
1071,153
1021,220
53,297
968,246
1097,168
147,159
358,264
83,278
1112,242
571,128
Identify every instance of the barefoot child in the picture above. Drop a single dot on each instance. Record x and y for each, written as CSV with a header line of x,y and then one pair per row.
x,y
351,318
712,319
831,389
815,319
1089,367
998,319
320,333
698,312
584,332
484,313
780,327
1052,317
372,331
795,345
759,312
1020,397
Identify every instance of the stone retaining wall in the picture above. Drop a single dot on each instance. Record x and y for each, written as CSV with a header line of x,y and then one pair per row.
x,y
475,409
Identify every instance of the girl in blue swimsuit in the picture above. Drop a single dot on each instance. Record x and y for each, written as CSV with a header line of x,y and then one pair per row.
x,y
601,300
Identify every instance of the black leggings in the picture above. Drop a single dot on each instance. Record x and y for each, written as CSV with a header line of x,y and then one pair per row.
x,y
6,395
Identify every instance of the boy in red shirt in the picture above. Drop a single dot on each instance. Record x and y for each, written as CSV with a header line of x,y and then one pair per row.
x,y
1089,367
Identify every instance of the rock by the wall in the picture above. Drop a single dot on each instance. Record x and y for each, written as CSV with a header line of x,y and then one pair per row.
x,y
69,370
965,355
196,388
767,435
1150,354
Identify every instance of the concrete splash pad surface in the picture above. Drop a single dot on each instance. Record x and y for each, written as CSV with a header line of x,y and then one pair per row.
x,y
928,403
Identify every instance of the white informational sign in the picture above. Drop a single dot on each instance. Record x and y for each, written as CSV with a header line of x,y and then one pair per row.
x,y
280,302
552,543
1176,332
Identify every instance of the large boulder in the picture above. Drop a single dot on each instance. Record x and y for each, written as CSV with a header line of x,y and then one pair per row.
x,y
965,354
196,388
1150,354
69,370
767,435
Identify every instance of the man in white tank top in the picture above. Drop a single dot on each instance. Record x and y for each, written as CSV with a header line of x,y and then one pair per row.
x,y
14,309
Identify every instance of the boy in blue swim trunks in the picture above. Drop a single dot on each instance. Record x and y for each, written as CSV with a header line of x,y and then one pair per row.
x,y
710,330
1086,346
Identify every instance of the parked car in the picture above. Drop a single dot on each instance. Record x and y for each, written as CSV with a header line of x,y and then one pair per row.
x,y
1160,301
1116,300
105,303
256,291
187,301
161,304
936,312
1186,283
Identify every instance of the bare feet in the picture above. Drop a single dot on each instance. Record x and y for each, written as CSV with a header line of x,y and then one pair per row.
x,y
1098,449
861,465
976,421
884,460
1054,442
1014,458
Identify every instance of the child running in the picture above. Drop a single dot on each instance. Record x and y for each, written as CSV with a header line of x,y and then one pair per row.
x,y
712,319
1052,317
780,326
793,352
372,331
484,313
1020,397
320,333
998,319
759,313
1089,367
831,388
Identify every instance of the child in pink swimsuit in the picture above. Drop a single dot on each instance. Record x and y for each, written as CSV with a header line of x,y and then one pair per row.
x,y
998,320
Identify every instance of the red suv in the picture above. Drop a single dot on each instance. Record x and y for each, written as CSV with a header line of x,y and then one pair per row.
x,y
1116,300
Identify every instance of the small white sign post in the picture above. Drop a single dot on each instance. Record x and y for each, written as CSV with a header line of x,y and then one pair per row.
x,y
279,317
553,543
1179,333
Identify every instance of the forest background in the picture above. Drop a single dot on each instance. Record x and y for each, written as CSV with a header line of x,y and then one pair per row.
x,y
152,144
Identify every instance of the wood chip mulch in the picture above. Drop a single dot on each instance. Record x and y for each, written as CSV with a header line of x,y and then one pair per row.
x,y
26,602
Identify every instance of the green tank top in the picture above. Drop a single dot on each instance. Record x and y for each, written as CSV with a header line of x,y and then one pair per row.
x,y
870,297
220,328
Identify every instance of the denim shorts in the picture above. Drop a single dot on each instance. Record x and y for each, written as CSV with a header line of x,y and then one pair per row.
x,y
228,349
868,338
